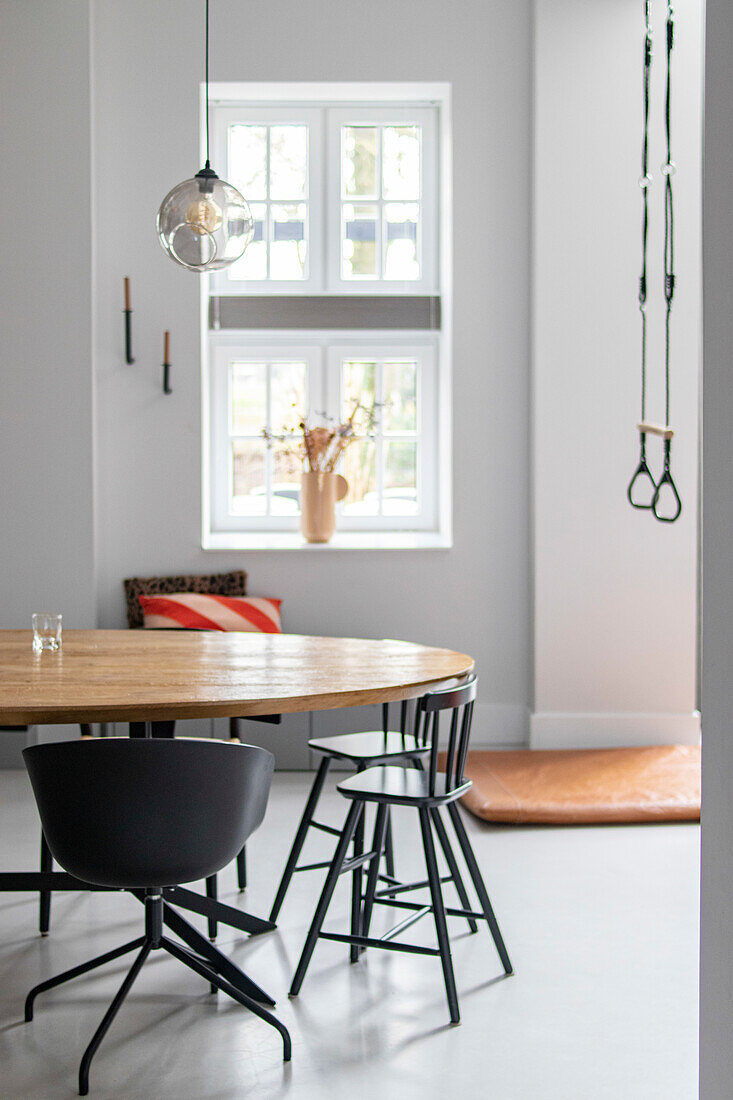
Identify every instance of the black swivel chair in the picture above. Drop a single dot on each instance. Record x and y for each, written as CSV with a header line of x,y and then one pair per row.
x,y
427,792
138,729
136,814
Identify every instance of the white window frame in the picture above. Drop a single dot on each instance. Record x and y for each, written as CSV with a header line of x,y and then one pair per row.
x,y
223,117
324,118
322,353
298,96
383,347
380,115
220,437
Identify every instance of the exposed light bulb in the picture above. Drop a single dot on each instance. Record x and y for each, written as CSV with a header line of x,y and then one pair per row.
x,y
204,214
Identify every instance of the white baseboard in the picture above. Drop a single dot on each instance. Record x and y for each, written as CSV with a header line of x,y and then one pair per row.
x,y
557,730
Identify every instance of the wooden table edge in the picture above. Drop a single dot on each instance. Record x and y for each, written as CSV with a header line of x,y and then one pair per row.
x,y
161,711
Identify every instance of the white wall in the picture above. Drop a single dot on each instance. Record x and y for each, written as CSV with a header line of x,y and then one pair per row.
x,y
716,962
615,591
46,533
46,438
597,649
148,64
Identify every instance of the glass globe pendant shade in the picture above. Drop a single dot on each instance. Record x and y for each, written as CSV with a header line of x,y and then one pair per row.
x,y
204,224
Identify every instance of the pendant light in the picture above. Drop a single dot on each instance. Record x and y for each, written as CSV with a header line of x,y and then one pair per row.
x,y
204,224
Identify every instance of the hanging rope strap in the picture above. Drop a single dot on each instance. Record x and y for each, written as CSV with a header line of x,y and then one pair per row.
x,y
642,473
668,168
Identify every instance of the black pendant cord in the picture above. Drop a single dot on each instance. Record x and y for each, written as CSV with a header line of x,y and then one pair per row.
x,y
642,472
208,162
669,286
207,174
644,184
668,169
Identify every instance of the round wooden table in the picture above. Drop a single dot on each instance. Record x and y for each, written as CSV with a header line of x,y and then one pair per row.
x,y
161,675
151,678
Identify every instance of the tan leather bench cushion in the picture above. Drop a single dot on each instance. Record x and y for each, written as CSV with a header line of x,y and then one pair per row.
x,y
657,783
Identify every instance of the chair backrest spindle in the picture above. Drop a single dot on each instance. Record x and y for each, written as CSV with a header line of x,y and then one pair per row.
x,y
450,755
404,720
465,737
434,746
460,701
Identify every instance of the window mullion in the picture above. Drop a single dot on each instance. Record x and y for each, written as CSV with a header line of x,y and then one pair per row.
x,y
380,207
379,436
327,183
230,469
268,206
269,456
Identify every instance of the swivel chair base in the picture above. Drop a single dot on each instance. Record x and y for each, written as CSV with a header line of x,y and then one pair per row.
x,y
152,940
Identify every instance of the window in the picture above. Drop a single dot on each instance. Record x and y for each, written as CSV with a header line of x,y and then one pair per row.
x,y
343,198
348,267
258,389
383,467
273,156
382,199
270,165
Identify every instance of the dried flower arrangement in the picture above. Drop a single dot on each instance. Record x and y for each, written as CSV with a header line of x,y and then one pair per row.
x,y
321,447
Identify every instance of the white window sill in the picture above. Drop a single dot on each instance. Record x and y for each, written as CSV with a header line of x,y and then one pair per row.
x,y
342,540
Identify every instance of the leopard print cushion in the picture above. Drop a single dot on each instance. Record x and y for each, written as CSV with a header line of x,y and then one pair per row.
x,y
218,584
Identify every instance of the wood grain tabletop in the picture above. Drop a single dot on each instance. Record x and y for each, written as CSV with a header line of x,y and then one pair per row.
x,y
153,675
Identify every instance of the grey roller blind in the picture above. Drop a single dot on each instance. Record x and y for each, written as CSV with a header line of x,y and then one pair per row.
x,y
421,312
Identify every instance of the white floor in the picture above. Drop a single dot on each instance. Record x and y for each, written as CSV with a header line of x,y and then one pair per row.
x,y
601,924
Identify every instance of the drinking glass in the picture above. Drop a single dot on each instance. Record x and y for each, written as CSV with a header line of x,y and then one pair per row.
x,y
46,631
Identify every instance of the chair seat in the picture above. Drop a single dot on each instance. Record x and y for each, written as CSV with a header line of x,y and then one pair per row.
x,y
400,786
369,748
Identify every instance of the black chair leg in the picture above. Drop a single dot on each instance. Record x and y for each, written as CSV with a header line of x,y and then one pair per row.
x,y
356,885
450,859
324,901
242,870
308,812
479,886
77,971
212,891
44,917
109,1016
214,958
389,847
242,856
226,987
381,826
441,927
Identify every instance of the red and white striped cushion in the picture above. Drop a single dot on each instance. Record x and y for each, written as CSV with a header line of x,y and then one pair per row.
x,y
209,612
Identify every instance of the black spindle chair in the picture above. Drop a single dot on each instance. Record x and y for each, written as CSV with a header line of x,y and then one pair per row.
x,y
427,791
360,751
135,814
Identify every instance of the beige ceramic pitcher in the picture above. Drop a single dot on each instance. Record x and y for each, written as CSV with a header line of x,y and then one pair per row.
x,y
318,495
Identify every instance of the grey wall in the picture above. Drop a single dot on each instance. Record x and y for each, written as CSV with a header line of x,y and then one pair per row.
x,y
46,430
716,1053
148,60
615,623
46,443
